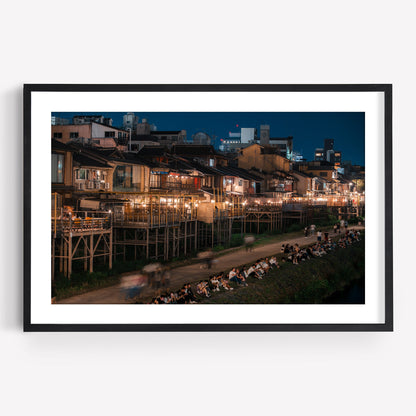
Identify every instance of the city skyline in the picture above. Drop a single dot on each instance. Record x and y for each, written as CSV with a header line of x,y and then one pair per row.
x,y
309,129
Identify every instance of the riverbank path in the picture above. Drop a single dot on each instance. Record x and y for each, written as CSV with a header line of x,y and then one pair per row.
x,y
193,272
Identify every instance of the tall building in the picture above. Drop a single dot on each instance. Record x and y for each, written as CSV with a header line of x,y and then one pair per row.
x,y
130,121
264,135
284,145
248,134
143,128
328,154
319,154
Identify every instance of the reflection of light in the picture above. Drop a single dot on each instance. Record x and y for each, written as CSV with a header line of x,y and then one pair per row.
x,y
212,201
196,205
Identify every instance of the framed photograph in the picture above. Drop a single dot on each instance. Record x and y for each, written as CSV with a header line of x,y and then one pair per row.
x,y
208,208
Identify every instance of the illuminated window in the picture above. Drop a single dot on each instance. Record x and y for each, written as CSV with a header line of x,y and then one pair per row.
x,y
80,174
57,168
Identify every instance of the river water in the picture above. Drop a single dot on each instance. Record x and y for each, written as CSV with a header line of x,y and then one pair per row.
x,y
353,294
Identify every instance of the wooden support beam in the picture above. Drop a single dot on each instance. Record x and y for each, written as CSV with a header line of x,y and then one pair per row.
x,y
53,257
186,237
196,234
110,251
91,249
61,255
69,255
86,256
157,238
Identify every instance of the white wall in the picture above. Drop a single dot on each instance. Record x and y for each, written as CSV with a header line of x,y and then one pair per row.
x,y
279,373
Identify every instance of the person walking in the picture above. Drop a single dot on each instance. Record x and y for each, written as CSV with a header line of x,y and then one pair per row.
x,y
319,236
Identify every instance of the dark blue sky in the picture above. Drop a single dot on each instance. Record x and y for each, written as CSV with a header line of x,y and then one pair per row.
x,y
308,129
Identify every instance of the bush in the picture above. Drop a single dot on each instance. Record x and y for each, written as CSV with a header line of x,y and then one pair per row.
x,y
294,227
236,240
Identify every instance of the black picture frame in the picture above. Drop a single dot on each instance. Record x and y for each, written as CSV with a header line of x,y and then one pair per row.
x,y
386,89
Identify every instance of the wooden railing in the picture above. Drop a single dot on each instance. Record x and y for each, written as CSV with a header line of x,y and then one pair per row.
x,y
80,222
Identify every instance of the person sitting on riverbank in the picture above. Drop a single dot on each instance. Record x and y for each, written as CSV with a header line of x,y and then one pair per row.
x,y
202,289
259,268
224,283
236,277
265,265
273,262
189,294
241,278
252,272
214,284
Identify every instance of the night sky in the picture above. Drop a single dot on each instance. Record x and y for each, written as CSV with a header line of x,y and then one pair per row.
x,y
308,129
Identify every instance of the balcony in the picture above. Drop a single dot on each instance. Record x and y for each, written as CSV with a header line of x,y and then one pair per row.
x,y
80,222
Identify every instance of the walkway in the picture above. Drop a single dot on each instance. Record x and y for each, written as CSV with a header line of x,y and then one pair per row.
x,y
192,273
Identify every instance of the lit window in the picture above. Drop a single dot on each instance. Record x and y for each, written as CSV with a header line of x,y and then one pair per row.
x,y
57,168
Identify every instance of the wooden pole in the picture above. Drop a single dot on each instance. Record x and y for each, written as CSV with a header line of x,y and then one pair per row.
x,y
70,255
124,245
135,244
196,234
53,258
85,256
186,237
157,242
61,255
147,243
91,252
110,251
54,215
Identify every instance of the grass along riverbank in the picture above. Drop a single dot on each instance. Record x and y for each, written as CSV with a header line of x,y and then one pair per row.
x,y
310,282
